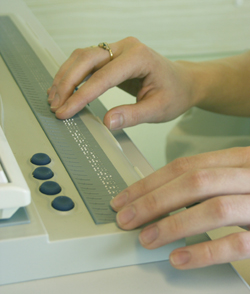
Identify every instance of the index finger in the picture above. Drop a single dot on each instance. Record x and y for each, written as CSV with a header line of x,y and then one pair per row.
x,y
62,70
111,74
233,157
74,71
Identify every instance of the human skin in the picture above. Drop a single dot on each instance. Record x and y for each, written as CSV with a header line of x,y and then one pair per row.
x,y
164,90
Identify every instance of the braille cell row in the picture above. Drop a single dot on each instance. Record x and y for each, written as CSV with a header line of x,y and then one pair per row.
x,y
61,203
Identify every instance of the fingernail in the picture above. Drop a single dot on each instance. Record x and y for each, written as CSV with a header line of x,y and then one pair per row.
x,y
116,121
148,235
179,257
119,201
62,108
125,215
56,101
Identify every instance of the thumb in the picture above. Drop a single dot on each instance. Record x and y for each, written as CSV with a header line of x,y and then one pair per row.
x,y
130,115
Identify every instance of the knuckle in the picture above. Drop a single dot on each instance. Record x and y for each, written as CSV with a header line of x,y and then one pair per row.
x,y
141,49
57,79
221,208
76,52
151,203
176,225
64,84
81,55
241,244
144,185
86,55
199,179
137,46
208,253
131,40
181,165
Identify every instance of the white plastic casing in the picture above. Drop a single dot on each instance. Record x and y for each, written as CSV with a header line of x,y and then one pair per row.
x,y
14,191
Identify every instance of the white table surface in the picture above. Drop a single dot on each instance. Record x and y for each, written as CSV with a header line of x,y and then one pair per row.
x,y
158,277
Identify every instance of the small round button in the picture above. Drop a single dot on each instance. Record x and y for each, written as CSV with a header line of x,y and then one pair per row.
x,y
50,188
40,159
63,203
43,173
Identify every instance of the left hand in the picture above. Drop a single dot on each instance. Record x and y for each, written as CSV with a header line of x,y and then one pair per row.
x,y
163,89
218,180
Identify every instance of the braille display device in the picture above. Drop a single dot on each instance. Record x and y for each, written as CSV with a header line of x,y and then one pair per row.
x,y
57,177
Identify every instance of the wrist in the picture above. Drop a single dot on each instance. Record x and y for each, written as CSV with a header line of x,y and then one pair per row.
x,y
196,79
221,85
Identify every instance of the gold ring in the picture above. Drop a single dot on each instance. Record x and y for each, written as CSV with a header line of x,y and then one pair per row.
x,y
105,46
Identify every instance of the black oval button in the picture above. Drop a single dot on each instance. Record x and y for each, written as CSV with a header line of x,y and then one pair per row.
x,y
63,203
43,173
40,159
50,188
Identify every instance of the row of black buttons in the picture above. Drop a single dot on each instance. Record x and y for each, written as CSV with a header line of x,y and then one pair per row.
x,y
61,203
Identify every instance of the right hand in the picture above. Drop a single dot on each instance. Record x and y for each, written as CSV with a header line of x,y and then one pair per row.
x,y
218,181
163,88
